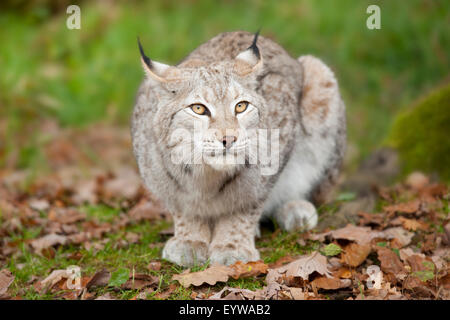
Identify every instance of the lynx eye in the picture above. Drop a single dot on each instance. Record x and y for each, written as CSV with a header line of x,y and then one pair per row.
x,y
241,106
199,109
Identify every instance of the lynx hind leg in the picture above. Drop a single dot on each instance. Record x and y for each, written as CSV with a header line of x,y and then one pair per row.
x,y
323,111
189,245
297,215
323,114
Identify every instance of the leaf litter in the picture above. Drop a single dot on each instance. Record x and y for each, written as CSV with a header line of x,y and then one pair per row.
x,y
400,252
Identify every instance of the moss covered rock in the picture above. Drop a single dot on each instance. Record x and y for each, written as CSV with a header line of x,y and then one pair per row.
x,y
421,135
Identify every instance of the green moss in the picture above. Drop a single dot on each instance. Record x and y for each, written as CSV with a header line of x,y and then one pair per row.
x,y
422,135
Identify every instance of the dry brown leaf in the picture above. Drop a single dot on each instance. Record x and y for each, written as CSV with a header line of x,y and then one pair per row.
x,y
299,294
406,207
370,218
354,254
140,281
390,262
249,269
106,296
361,235
6,278
39,204
219,273
407,252
403,236
166,293
125,184
146,210
228,293
343,273
65,215
417,180
301,268
154,265
52,279
282,261
410,224
85,192
212,275
47,241
416,262
331,283
99,279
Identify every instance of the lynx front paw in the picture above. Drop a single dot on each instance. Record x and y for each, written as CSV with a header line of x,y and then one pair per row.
x,y
185,252
297,214
227,254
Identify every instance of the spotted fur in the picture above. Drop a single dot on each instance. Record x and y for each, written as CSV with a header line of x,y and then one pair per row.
x,y
217,207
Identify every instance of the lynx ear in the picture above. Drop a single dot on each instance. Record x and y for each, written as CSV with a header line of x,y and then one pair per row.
x,y
250,60
158,71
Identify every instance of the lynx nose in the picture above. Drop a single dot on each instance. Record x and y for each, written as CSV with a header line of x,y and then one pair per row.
x,y
228,141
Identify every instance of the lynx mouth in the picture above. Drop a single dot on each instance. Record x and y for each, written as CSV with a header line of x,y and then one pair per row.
x,y
216,152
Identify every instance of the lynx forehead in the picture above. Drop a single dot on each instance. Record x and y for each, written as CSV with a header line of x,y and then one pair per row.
x,y
204,131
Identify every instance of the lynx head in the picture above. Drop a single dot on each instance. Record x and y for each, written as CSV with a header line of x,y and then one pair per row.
x,y
207,114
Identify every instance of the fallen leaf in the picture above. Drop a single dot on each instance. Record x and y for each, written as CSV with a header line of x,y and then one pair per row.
x,y
407,252
219,273
140,281
48,241
406,207
409,224
249,269
166,293
298,294
305,266
65,215
211,275
331,283
154,265
362,235
281,261
146,210
39,204
100,279
354,254
56,276
228,293
106,296
6,278
125,184
370,218
403,236
417,180
343,273
390,262
132,237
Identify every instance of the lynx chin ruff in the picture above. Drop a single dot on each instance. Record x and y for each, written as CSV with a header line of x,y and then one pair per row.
x,y
227,89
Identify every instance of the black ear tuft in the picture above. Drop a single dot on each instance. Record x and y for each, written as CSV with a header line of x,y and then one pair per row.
x,y
146,59
254,47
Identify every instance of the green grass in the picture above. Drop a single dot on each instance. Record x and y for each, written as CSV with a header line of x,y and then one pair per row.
x,y
88,75
25,265
79,77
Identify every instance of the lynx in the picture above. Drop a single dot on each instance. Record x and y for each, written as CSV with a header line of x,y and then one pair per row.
x,y
196,130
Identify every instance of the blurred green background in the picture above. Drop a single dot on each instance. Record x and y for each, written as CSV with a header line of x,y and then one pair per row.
x,y
80,77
